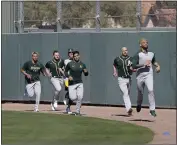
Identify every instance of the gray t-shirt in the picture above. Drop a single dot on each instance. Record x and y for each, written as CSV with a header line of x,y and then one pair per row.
x,y
141,58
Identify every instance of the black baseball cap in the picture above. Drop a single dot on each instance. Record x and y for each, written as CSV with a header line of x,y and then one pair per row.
x,y
70,50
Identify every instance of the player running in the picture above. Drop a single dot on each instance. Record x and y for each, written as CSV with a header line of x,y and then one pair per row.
x,y
122,68
67,101
55,67
143,62
32,70
73,71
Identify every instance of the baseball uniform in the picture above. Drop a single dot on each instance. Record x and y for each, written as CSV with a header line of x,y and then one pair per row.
x,y
122,65
76,89
144,76
33,85
56,78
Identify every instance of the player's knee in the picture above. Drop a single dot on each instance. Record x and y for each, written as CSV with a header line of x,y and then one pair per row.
x,y
72,97
125,93
58,89
57,93
80,97
30,94
151,92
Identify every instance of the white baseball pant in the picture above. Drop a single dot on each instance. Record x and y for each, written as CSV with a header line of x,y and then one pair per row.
x,y
76,92
57,84
34,89
142,80
124,84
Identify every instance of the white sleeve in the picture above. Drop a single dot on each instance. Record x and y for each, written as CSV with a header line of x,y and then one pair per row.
x,y
66,62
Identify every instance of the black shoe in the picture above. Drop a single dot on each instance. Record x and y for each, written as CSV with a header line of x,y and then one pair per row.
x,y
153,113
130,112
138,108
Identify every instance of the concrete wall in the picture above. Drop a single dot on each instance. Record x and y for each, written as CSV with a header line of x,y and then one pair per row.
x,y
98,51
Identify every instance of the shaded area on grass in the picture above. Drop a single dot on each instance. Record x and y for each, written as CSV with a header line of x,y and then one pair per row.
x,y
39,128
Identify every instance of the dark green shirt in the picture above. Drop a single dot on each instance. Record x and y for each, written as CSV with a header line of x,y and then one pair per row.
x,y
75,70
34,70
122,64
54,66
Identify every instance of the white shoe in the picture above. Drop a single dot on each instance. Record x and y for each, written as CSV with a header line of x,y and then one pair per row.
x,y
70,113
36,110
55,104
53,107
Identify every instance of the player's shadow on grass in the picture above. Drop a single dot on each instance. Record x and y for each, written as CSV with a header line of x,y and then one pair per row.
x,y
139,120
121,115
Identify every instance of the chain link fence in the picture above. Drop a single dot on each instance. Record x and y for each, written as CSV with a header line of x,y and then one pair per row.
x,y
61,16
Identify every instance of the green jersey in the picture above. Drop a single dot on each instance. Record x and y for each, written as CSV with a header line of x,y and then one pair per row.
x,y
122,64
54,66
75,70
33,69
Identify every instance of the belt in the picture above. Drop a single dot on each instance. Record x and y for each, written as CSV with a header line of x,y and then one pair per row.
x,y
126,77
56,76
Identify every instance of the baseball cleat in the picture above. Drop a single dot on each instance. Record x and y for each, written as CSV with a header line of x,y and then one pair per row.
x,y
55,104
68,111
138,108
36,110
53,107
153,113
130,112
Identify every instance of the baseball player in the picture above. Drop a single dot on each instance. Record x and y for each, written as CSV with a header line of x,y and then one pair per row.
x,y
73,71
67,101
32,69
143,62
122,68
55,67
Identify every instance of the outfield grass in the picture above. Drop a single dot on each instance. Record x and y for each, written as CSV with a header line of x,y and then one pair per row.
x,y
39,128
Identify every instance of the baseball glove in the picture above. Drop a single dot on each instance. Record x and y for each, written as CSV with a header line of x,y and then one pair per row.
x,y
66,82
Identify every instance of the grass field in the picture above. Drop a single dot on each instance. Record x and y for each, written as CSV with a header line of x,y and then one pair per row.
x,y
41,128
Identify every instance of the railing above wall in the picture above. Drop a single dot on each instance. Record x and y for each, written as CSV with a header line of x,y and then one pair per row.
x,y
103,30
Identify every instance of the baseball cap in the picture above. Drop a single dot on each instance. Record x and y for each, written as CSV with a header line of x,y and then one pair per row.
x,y
70,50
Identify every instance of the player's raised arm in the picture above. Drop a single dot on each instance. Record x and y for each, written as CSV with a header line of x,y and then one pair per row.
x,y
156,64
